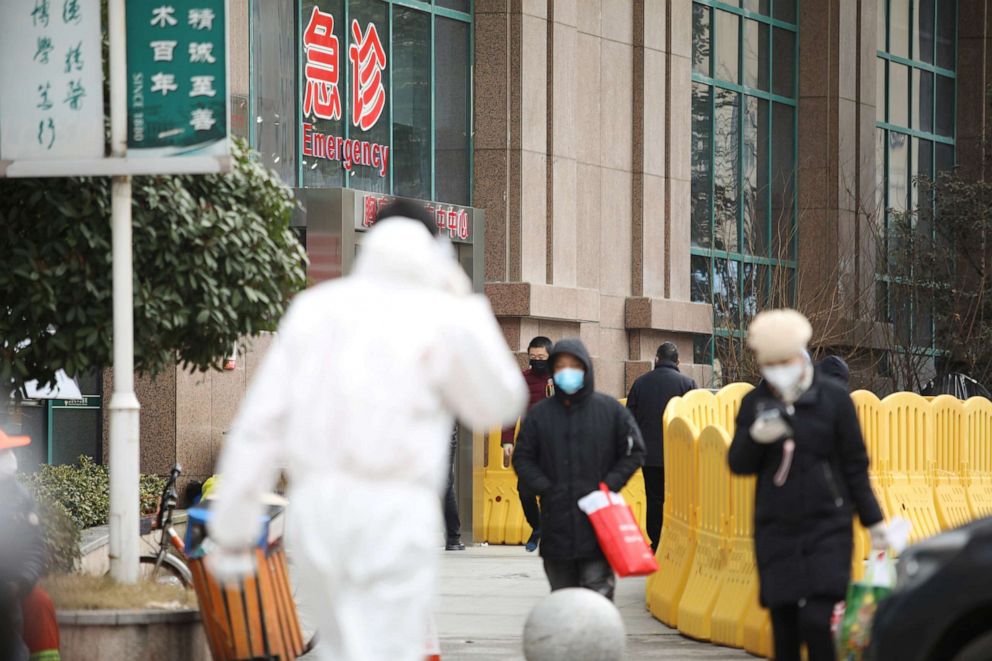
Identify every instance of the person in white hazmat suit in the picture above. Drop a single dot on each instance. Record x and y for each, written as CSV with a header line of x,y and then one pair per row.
x,y
356,397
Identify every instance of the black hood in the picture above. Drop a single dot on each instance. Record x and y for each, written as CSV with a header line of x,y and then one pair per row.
x,y
574,347
834,366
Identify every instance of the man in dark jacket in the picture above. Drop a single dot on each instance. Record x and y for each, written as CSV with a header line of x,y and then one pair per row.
x,y
540,387
647,400
567,445
21,550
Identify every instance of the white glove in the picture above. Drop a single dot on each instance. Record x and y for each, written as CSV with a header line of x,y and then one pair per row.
x,y
229,565
770,429
880,537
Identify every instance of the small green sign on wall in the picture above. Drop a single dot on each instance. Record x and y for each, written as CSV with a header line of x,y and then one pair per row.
x,y
177,78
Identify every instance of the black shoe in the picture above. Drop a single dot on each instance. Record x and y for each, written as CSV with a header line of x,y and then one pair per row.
x,y
534,541
455,545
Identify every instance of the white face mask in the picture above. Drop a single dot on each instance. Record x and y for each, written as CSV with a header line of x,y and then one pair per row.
x,y
783,378
8,463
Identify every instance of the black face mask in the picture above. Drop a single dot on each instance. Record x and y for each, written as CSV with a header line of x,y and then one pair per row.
x,y
539,366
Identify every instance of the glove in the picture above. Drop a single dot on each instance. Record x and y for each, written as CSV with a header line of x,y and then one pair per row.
x,y
507,452
880,537
230,565
770,426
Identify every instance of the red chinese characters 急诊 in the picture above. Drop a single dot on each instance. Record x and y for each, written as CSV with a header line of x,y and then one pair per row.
x,y
368,61
321,98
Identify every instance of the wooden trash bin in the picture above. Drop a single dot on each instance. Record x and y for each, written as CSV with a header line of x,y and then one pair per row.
x,y
257,618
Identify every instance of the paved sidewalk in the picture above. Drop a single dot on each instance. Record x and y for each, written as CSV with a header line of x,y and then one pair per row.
x,y
487,593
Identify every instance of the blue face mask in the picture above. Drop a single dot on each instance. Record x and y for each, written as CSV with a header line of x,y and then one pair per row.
x,y
570,380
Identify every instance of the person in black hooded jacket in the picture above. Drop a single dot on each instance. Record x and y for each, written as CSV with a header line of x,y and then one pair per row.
x,y
798,432
568,444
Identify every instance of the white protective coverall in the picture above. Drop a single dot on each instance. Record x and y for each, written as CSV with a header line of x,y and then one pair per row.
x,y
357,397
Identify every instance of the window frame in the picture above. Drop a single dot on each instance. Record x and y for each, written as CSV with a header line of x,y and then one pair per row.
x,y
435,11
882,275
767,262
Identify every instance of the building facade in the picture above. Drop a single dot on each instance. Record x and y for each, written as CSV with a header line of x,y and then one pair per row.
x,y
624,171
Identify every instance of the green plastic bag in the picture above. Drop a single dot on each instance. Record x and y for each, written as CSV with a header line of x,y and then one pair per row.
x,y
854,631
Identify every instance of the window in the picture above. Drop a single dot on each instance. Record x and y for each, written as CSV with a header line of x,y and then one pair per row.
x,y
743,214
425,119
914,138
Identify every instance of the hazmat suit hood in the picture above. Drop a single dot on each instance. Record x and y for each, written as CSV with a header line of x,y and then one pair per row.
x,y
401,250
575,347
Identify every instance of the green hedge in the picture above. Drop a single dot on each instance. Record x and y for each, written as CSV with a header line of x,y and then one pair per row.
x,y
84,491
72,498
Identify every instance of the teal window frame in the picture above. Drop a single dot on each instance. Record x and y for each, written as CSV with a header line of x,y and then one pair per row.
x,y
435,11
704,350
882,123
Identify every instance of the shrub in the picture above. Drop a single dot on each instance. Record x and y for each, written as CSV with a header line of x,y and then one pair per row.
x,y
61,537
84,491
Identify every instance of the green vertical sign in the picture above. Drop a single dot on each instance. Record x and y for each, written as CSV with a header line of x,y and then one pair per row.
x,y
177,78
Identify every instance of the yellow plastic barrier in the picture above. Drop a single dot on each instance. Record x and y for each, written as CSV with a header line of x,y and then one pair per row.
x,y
712,552
503,516
978,471
875,430
739,593
931,463
678,532
909,492
950,450
729,403
701,407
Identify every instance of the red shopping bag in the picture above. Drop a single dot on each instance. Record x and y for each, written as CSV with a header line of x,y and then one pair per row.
x,y
621,539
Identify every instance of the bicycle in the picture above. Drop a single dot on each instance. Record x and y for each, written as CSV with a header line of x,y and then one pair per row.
x,y
167,565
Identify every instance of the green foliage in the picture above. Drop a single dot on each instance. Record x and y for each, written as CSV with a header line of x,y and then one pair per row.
x,y
214,260
84,491
940,270
61,537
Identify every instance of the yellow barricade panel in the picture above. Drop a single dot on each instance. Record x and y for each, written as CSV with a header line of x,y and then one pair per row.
x,y
678,533
909,489
701,407
951,451
758,630
874,428
738,593
503,517
712,547
634,495
729,403
978,468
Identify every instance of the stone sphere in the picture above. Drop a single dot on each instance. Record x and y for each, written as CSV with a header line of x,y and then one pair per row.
x,y
574,625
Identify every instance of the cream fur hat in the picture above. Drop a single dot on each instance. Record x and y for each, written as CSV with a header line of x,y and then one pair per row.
x,y
776,335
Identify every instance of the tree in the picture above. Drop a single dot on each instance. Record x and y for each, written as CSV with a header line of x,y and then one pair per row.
x,y
939,272
214,260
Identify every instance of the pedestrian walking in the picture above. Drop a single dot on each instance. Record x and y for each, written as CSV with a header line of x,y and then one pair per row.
x,y
22,550
540,386
356,399
799,433
647,400
452,522
568,445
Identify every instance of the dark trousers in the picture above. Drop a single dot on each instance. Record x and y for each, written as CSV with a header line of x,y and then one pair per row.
x,y
654,490
808,622
591,573
529,503
12,646
452,522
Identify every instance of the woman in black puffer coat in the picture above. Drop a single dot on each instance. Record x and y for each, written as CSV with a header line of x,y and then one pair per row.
x,y
799,433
